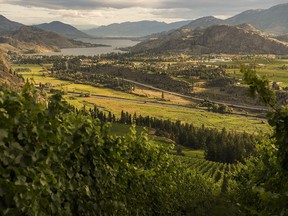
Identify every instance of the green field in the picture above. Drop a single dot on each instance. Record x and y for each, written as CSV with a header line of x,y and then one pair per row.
x,y
272,69
197,117
39,75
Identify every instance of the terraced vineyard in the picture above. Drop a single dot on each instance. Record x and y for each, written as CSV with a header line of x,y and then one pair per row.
x,y
218,172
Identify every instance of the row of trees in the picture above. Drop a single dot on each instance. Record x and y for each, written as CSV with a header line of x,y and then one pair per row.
x,y
214,107
95,80
200,71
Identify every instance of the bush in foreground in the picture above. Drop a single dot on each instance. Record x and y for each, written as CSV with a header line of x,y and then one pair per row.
x,y
56,162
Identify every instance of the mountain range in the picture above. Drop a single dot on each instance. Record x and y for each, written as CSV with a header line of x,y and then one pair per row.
x,y
273,20
134,29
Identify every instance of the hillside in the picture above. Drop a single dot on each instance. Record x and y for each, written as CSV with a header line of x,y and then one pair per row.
x,y
134,29
230,39
32,40
216,39
273,20
62,29
7,25
5,76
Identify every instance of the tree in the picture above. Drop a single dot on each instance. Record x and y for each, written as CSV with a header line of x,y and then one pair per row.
x,y
263,184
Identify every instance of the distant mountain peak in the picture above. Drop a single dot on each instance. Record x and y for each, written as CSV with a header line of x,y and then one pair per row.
x,y
272,20
7,25
206,18
63,29
204,22
57,22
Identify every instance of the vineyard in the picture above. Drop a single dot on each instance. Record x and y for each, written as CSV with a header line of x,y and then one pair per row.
x,y
220,173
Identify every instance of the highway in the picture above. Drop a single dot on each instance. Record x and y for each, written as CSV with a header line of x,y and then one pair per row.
x,y
258,108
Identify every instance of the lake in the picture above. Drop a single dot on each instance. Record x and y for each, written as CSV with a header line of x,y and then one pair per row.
x,y
114,44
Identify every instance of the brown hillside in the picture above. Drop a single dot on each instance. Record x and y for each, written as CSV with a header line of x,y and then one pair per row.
x,y
233,39
243,39
33,40
6,75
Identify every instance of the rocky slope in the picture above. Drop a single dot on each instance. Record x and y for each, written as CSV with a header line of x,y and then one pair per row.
x,y
6,75
215,39
233,39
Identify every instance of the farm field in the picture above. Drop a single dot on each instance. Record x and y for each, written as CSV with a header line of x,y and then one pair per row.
x,y
275,70
39,75
197,117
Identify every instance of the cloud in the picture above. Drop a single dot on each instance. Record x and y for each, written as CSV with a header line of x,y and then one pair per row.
x,y
86,4
156,4
103,12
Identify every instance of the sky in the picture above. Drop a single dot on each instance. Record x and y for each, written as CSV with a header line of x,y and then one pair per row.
x,y
103,12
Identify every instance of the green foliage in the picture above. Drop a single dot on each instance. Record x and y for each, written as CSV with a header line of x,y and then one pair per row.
x,y
262,187
259,86
57,162
278,117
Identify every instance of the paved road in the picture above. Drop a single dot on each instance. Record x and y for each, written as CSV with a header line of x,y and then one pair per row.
x,y
258,108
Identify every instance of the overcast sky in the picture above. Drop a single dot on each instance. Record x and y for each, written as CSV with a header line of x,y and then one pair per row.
x,y
103,12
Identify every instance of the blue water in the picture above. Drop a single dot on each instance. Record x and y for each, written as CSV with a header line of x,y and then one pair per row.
x,y
115,44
